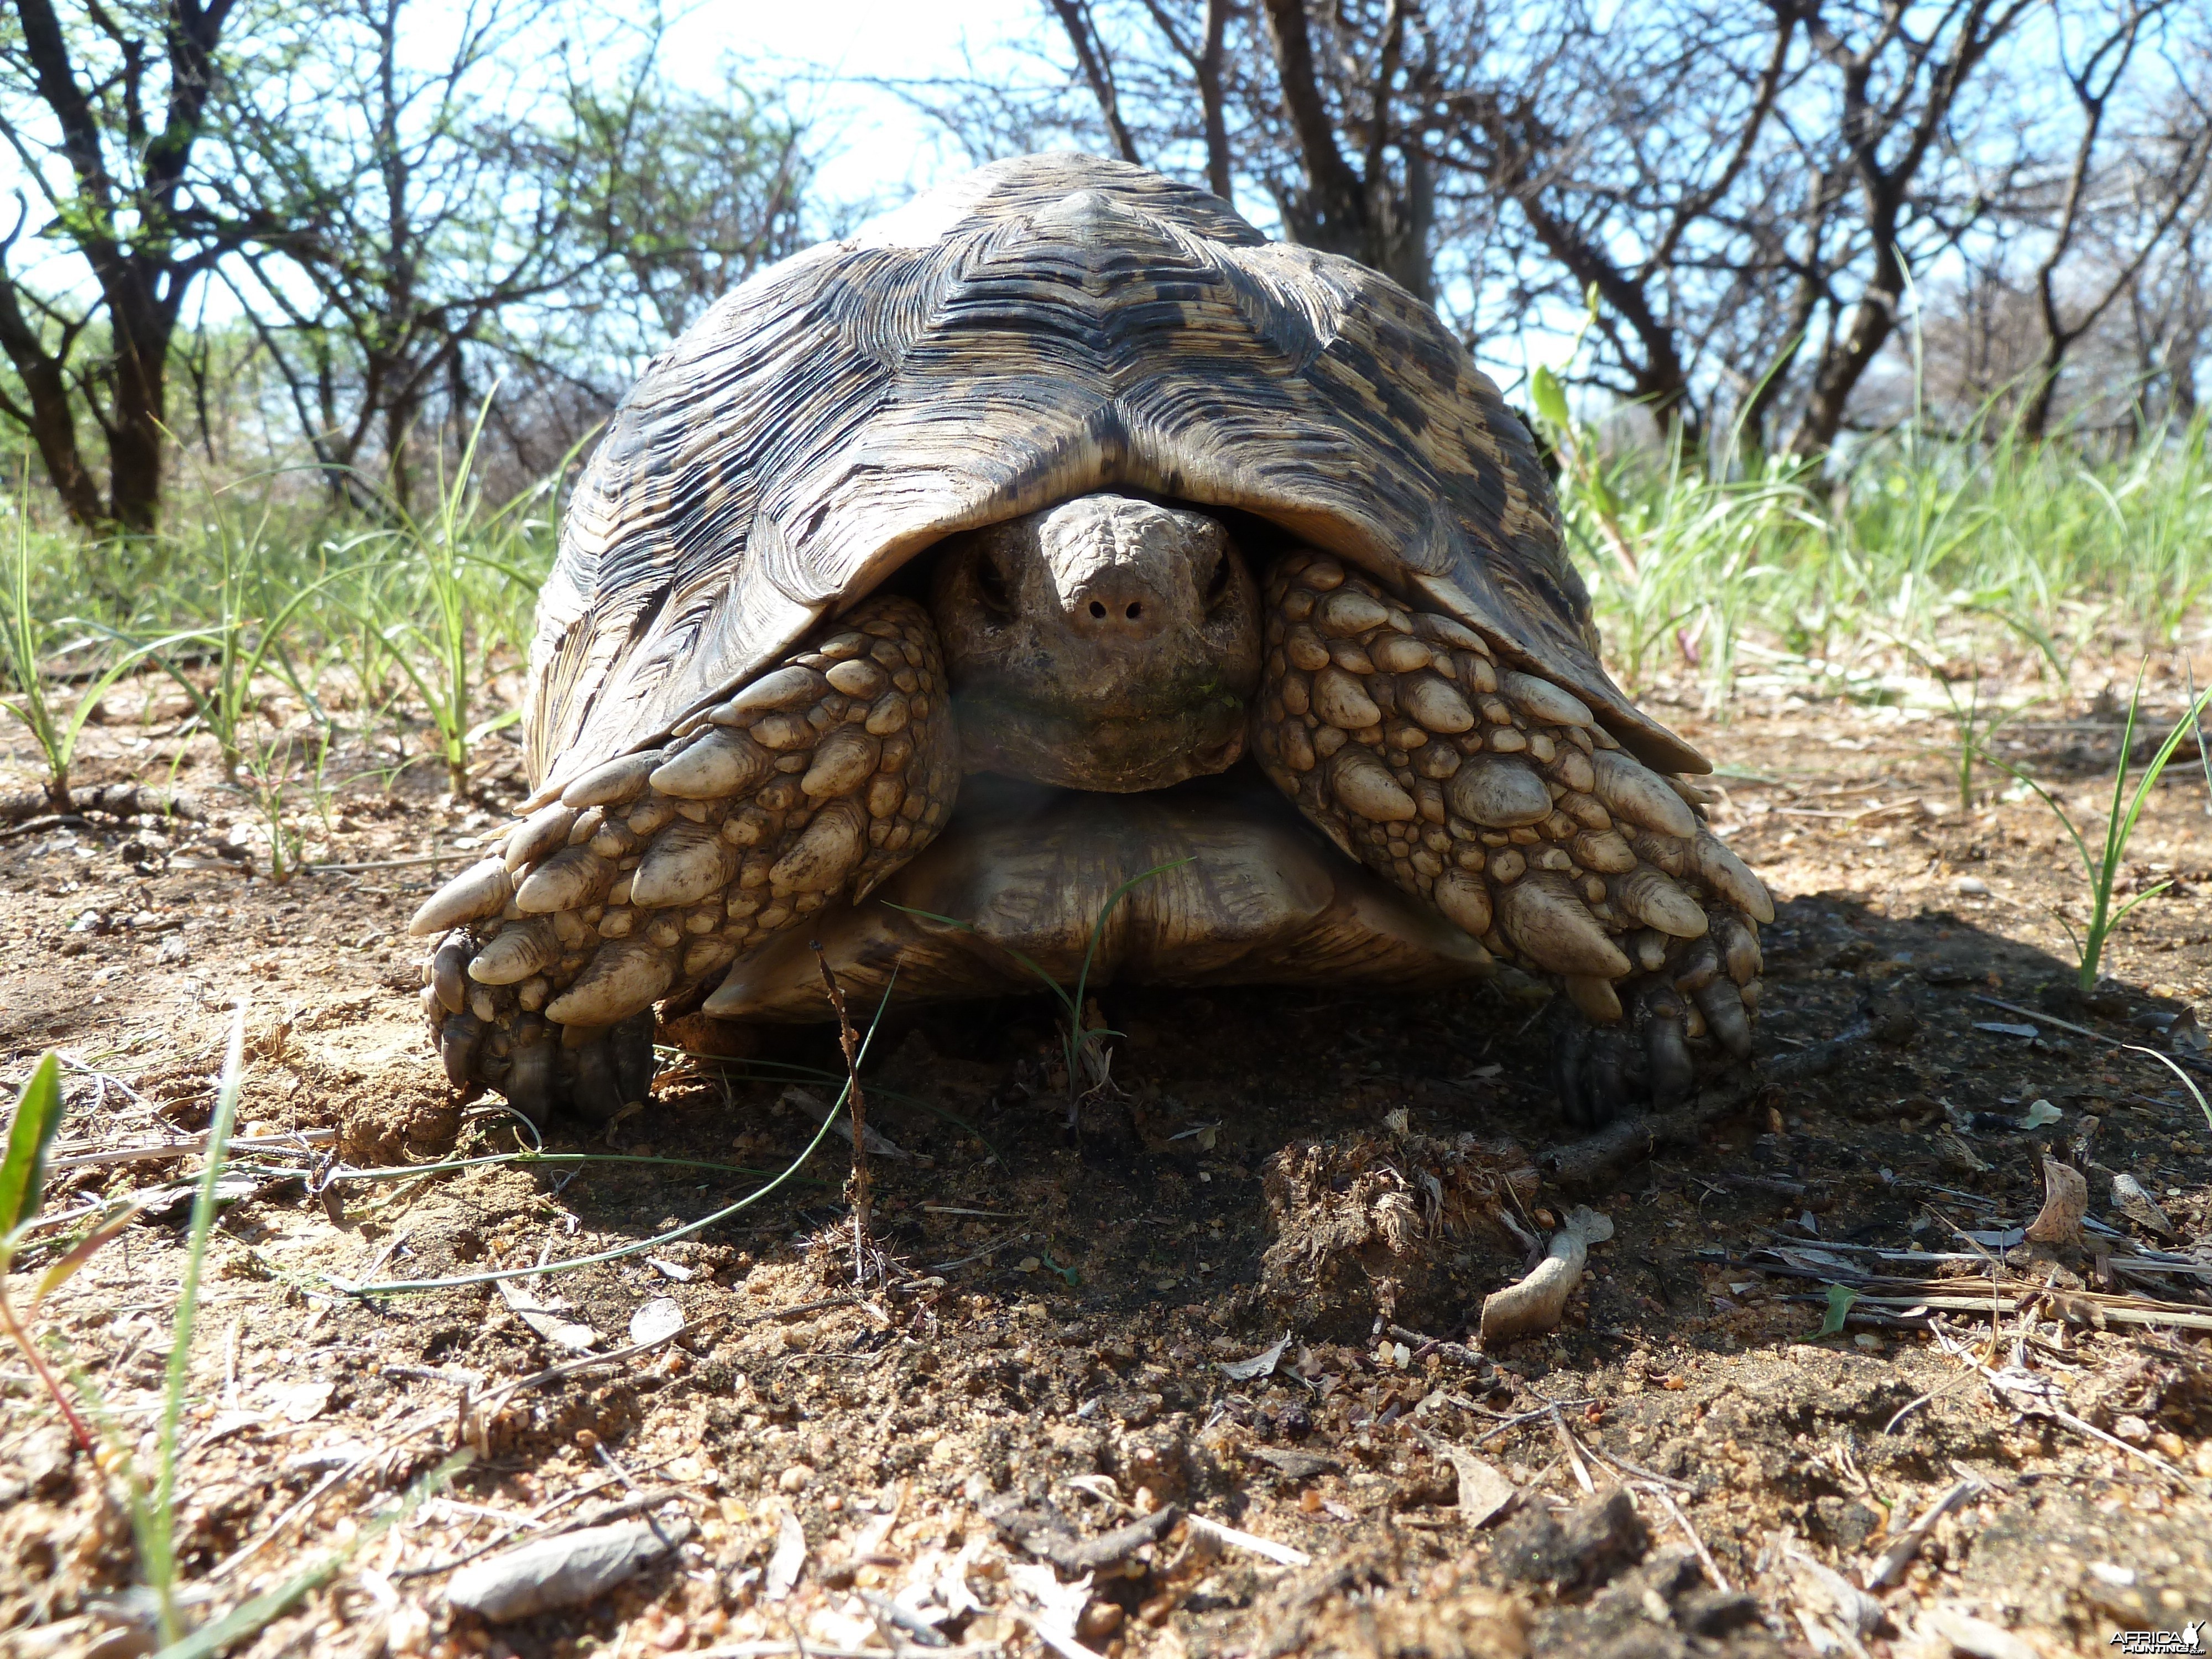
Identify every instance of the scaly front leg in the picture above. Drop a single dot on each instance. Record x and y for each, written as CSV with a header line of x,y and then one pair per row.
x,y
1496,796
656,870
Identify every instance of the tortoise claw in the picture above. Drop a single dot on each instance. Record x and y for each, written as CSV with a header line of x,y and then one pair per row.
x,y
1722,1004
458,1042
630,1043
597,1095
1673,1073
1594,1070
1651,1059
533,1077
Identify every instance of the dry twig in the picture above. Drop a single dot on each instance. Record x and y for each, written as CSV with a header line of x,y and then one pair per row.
x,y
856,1189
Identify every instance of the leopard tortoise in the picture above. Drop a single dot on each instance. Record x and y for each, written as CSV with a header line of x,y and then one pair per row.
x,y
1056,528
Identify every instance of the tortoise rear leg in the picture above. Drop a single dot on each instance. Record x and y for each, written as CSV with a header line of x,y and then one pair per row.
x,y
656,871
1497,797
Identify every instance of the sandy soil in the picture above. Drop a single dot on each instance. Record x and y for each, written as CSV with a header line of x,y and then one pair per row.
x,y
1037,1357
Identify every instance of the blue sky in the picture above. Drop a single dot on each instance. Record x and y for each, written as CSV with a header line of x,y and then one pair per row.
x,y
882,147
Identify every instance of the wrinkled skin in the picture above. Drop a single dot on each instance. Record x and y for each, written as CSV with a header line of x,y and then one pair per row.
x,y
1107,643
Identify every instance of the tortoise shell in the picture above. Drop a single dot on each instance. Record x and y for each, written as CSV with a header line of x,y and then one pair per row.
x,y
1042,328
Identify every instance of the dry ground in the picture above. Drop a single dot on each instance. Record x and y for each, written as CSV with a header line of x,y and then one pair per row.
x,y
1043,1361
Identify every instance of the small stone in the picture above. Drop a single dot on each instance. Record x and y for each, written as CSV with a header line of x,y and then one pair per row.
x,y
45,1462
1100,1619
1970,887
796,1479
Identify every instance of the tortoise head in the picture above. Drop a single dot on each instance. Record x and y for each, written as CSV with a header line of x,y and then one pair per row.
x,y
1105,643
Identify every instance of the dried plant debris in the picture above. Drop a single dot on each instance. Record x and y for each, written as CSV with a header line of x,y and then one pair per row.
x,y
1534,1305
1366,1226
558,1573
2066,1201
1042,1530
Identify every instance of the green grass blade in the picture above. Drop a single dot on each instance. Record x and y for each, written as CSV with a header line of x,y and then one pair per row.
x,y
244,1619
31,1130
160,1565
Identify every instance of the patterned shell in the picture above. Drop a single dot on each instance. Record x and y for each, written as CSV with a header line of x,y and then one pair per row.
x,y
1042,328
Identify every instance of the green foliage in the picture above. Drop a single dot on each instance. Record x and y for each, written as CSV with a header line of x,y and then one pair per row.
x,y
25,636
1911,538
154,1514
466,554
1840,1298
31,1129
2101,866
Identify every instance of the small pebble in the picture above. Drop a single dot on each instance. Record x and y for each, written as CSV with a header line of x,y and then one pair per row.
x,y
795,1479
1099,1619
1972,887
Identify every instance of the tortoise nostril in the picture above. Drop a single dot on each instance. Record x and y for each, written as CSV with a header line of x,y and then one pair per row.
x,y
1119,608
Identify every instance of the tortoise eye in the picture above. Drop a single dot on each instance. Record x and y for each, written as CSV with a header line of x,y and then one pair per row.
x,y
1219,585
991,584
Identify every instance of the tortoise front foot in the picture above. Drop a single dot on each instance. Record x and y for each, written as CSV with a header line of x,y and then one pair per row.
x,y
1496,796
500,1036
656,871
1684,1018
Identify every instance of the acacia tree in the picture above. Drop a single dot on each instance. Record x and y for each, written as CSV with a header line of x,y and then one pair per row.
x,y
523,200
1750,187
2126,197
429,200
108,106
1896,79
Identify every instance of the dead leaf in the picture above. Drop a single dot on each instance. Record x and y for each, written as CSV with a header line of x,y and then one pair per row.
x,y
790,1556
567,1571
2066,1200
540,1317
1260,1365
2130,1199
303,1402
1485,1492
656,1321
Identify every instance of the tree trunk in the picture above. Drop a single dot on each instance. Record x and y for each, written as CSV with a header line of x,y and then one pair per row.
x,y
50,420
1211,100
137,434
1873,319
